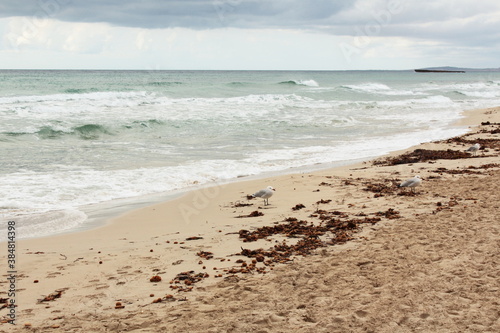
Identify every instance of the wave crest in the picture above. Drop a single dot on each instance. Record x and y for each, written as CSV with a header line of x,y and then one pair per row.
x,y
380,89
307,83
162,83
90,131
47,132
85,132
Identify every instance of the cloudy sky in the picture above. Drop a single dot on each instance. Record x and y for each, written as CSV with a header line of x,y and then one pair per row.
x,y
248,34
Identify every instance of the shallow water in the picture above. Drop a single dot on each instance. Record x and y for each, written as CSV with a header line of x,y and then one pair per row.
x,y
70,139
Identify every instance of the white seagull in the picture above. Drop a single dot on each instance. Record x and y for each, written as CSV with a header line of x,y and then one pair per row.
x,y
264,194
473,149
412,182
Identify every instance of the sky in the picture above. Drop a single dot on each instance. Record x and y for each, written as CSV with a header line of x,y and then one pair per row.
x,y
249,34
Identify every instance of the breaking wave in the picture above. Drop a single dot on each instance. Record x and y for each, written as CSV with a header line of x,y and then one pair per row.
x,y
307,83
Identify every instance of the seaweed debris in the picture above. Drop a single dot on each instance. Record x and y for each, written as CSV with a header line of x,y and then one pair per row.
x,y
298,207
205,255
322,201
184,281
168,298
4,302
241,204
456,172
381,189
422,155
445,206
389,214
485,143
291,229
469,170
193,238
336,226
155,278
486,166
52,296
252,214
491,131
282,253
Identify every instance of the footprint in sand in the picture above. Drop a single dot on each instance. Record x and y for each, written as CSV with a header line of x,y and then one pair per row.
x,y
424,315
101,286
53,275
361,313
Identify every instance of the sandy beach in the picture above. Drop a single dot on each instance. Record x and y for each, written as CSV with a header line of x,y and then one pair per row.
x,y
339,250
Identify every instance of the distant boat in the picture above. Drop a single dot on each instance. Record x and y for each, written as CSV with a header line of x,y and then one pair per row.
x,y
436,71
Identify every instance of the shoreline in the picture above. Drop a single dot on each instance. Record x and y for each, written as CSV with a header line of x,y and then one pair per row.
x,y
113,263
102,214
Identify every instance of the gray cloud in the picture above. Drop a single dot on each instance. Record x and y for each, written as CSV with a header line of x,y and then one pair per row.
x,y
197,14
454,20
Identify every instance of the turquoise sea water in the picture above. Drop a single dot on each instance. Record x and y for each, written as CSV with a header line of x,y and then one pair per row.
x,y
73,139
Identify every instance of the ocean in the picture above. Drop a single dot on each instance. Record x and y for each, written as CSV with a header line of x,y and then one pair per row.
x,y
79,146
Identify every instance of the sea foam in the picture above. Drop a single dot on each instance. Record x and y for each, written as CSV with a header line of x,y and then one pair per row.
x,y
69,146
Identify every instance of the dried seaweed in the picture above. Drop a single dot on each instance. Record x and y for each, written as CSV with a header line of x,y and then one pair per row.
x,y
335,225
290,229
168,298
380,189
298,207
252,214
283,252
389,214
205,255
456,171
469,170
405,193
445,206
485,143
52,296
486,166
184,281
4,303
492,131
193,238
155,278
422,155
240,204
322,201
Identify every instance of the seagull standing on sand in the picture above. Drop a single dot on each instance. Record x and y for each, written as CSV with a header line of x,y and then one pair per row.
x,y
473,149
411,183
264,194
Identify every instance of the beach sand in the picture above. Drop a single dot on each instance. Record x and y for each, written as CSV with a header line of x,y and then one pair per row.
x,y
368,257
